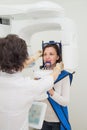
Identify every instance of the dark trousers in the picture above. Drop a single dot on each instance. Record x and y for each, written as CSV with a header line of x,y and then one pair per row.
x,y
51,126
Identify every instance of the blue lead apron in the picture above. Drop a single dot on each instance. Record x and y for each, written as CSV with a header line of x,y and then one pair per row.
x,y
61,111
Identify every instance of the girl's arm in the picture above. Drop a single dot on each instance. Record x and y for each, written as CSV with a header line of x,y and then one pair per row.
x,y
61,95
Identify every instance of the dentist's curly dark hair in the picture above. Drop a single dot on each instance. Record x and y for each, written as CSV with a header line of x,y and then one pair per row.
x,y
13,53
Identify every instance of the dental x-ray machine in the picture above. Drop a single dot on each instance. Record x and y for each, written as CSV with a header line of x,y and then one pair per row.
x,y
27,20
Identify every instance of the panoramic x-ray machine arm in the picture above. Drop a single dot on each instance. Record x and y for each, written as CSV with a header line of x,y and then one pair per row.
x,y
27,20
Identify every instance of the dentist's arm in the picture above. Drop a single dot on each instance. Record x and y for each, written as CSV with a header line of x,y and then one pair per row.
x,y
33,58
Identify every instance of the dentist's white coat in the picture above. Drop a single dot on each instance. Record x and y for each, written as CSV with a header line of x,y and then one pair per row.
x,y
16,96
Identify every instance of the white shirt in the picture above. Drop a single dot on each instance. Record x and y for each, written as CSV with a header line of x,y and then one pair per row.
x,y
16,96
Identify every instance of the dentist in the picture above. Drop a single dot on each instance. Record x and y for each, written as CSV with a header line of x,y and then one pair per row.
x,y
17,92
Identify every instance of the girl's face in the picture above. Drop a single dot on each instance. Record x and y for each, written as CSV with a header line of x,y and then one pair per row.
x,y
50,55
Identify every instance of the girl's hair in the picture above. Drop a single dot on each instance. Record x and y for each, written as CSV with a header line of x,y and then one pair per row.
x,y
13,53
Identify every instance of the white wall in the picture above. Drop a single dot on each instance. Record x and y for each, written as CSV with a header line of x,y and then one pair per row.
x,y
76,10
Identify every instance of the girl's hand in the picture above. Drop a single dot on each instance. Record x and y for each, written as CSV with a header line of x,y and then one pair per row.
x,y
51,92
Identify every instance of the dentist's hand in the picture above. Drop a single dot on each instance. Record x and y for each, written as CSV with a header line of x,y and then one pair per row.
x,y
59,66
57,70
33,58
37,55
